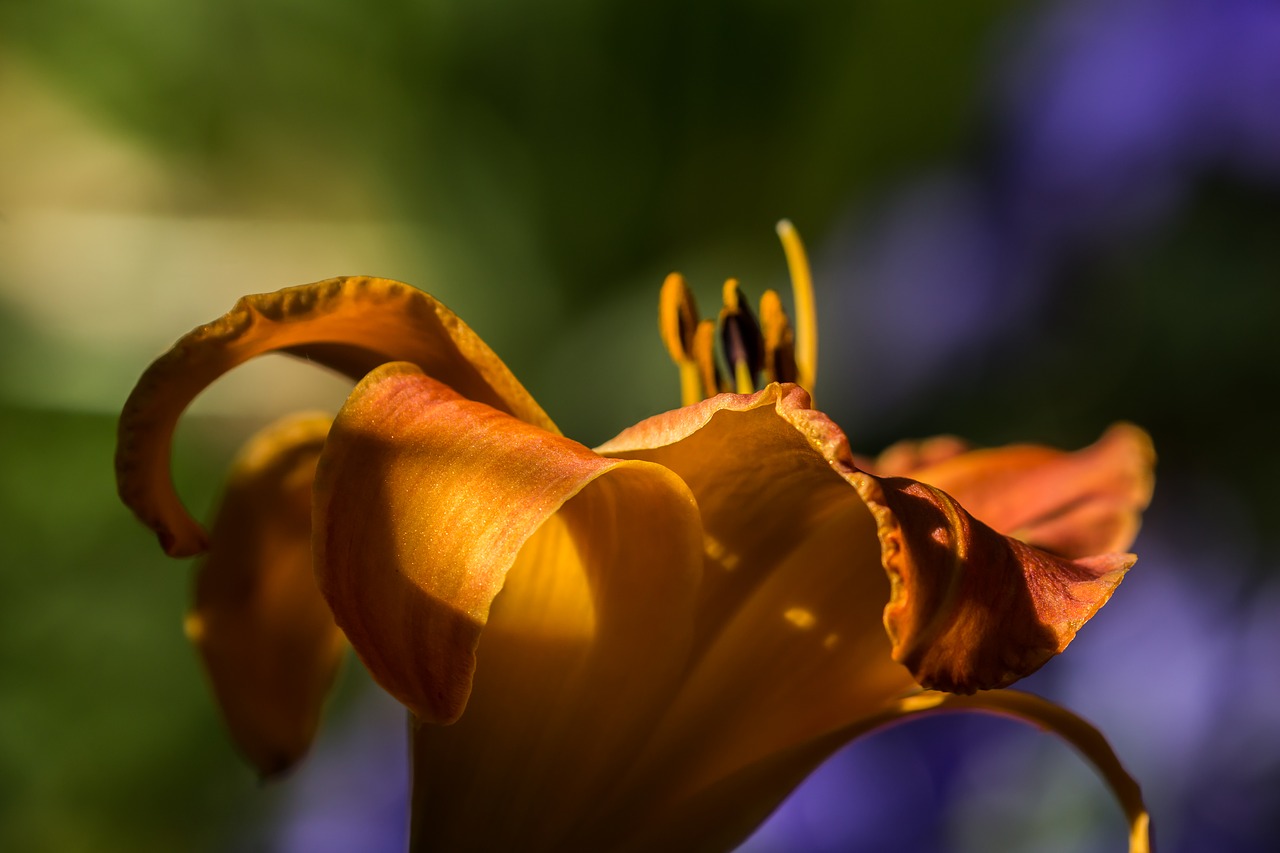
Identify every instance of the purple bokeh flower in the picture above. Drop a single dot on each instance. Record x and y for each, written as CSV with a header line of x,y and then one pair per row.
x,y
1104,119
352,793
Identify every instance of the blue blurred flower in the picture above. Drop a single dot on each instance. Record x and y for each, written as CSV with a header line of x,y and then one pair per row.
x,y
353,791
1103,120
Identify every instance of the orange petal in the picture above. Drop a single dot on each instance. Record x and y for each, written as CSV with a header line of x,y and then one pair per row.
x,y
349,324
905,458
424,499
790,638
972,609
479,562
266,636
757,465
1073,504
723,814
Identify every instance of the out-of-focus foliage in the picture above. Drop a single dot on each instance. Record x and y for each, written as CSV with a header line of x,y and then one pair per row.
x,y
89,738
609,135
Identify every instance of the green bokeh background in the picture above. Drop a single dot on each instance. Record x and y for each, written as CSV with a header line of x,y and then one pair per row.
x,y
542,166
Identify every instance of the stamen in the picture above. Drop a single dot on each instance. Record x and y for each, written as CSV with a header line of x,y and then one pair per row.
x,y
741,339
779,340
678,322
806,335
783,352
704,354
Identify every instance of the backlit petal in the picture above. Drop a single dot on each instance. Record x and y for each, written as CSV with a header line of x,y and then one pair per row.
x,y
478,562
266,636
349,324
1073,504
905,458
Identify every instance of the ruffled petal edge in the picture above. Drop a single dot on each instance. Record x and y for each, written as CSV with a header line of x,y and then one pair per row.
x,y
970,609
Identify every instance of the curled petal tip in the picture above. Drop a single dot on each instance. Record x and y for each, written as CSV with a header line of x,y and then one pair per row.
x,y
971,609
194,543
347,324
985,593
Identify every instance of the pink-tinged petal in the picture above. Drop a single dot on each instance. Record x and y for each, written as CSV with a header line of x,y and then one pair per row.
x,y
1072,504
510,582
267,639
349,324
905,458
972,609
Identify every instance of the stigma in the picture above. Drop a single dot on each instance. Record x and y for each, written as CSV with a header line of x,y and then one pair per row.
x,y
754,350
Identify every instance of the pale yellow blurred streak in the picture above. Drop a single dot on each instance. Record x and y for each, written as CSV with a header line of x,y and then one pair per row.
x,y
108,253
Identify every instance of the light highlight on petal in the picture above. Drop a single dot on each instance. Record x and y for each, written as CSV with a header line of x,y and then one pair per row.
x,y
424,499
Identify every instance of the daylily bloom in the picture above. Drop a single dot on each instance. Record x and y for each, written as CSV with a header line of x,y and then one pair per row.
x,y
642,646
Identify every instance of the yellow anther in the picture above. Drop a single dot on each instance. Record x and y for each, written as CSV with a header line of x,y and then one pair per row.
x,y
740,338
704,354
678,321
779,340
731,294
677,317
806,334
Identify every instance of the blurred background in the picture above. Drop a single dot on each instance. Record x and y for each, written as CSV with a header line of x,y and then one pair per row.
x,y
1027,220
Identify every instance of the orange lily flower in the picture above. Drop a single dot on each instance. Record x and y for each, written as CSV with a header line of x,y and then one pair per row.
x,y
642,646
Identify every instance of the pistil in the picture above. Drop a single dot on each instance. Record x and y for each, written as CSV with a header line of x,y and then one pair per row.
x,y
806,313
